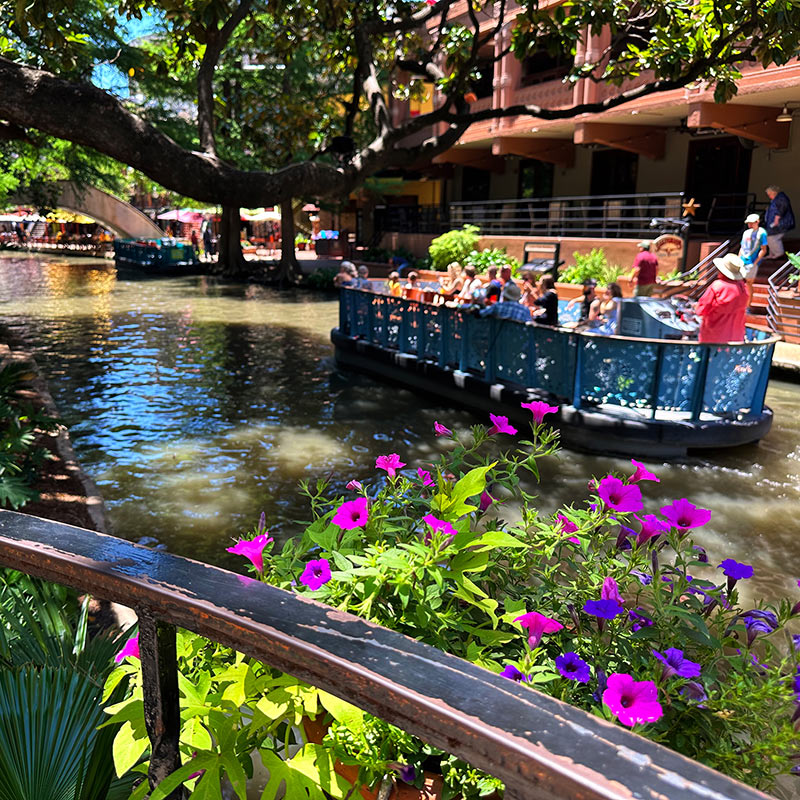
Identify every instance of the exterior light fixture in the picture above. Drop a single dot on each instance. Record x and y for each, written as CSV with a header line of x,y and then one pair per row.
x,y
785,115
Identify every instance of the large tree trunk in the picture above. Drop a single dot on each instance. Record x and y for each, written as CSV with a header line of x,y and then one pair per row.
x,y
289,268
231,261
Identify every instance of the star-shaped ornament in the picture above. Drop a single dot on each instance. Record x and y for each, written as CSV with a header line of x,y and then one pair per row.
x,y
690,208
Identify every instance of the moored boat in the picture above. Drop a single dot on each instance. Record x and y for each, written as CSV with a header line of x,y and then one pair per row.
x,y
158,255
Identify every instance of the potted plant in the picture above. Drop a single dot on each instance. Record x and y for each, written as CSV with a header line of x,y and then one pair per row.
x,y
301,242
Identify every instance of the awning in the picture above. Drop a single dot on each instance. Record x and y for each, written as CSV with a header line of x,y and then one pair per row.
x,y
182,215
262,215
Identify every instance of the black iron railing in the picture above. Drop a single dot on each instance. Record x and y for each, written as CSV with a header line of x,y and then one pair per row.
x,y
539,746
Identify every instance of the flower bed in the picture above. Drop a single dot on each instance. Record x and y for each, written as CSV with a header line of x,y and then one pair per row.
x,y
606,604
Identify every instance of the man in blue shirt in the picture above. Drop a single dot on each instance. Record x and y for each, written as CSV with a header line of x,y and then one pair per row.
x,y
778,219
752,249
509,306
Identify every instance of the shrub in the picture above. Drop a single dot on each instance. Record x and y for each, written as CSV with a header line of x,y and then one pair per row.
x,y
594,265
321,278
492,256
794,260
453,246
601,605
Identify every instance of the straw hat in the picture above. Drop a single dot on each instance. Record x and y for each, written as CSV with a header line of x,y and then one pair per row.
x,y
511,292
731,266
751,218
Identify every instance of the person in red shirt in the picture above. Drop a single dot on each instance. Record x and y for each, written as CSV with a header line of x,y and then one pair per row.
x,y
645,270
723,305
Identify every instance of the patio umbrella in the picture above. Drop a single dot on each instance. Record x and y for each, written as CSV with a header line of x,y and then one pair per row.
x,y
311,208
267,215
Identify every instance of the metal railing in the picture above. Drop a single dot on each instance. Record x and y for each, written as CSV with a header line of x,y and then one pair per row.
x,y
699,275
659,378
783,315
539,746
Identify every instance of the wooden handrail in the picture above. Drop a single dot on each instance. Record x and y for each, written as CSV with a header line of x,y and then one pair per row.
x,y
539,746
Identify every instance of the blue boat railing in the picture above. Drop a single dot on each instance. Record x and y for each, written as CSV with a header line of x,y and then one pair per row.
x,y
656,378
155,252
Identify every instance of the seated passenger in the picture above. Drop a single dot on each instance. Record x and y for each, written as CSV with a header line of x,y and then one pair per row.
x,y
605,313
413,280
586,299
547,302
529,290
491,292
509,306
470,287
393,284
346,275
362,281
454,281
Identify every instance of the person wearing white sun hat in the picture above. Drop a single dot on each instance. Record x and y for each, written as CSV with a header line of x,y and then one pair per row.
x,y
723,305
752,249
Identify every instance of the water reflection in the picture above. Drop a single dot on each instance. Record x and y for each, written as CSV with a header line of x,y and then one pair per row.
x,y
195,405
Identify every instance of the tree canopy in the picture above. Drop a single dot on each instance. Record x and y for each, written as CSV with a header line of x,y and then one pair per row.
x,y
248,103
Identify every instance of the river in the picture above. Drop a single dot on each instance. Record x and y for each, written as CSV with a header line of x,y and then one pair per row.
x,y
196,404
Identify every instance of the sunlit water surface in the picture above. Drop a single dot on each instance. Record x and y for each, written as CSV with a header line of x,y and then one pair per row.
x,y
195,405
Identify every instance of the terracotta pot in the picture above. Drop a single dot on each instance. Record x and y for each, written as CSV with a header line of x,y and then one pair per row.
x,y
431,790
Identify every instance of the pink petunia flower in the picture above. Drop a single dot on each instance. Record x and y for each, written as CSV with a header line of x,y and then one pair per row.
x,y
568,527
685,515
642,473
485,501
437,525
352,514
316,574
539,408
131,649
620,496
500,424
390,463
537,625
252,549
425,477
610,591
354,486
441,430
632,701
652,526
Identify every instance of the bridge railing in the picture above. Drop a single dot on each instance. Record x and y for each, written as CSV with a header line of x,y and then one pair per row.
x,y
656,377
539,746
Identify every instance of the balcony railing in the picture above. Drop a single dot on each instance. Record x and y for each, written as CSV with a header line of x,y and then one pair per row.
x,y
539,746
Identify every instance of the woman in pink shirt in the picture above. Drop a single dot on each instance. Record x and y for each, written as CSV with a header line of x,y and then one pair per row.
x,y
723,305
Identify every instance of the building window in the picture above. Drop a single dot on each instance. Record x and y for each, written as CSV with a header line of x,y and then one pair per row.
x,y
541,67
482,85
614,172
535,178
474,184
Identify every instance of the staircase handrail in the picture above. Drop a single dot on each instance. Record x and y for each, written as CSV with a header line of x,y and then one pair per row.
x,y
700,273
775,283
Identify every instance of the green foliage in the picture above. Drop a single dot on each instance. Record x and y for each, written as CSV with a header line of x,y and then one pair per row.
x,y
491,257
592,265
321,279
453,246
461,590
21,457
794,260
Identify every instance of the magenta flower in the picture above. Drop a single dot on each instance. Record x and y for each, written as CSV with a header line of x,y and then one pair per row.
x,y
390,463
500,424
642,473
354,486
539,408
485,501
352,514
610,591
675,664
620,496
604,609
652,526
632,701
685,515
572,666
568,527
537,625
252,549
316,574
131,648
437,526
425,477
441,430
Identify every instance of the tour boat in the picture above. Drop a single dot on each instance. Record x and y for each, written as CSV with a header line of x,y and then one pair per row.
x,y
651,391
158,255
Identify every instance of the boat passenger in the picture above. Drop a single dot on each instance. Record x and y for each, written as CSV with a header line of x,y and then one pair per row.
x,y
587,297
346,275
362,281
529,290
491,291
547,302
413,280
605,313
454,281
393,284
471,285
509,306
723,306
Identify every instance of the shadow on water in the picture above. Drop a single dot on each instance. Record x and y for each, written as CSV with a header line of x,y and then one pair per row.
x,y
196,404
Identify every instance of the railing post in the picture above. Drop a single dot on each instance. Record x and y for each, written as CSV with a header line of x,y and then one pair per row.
x,y
490,362
700,384
370,337
463,356
444,334
533,377
656,379
422,332
576,375
162,717
402,333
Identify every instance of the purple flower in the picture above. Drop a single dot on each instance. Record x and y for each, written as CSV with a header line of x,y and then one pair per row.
x,y
735,570
500,424
604,609
632,701
567,527
485,501
643,577
610,591
440,429
390,463
685,515
352,514
702,556
539,409
406,773
675,664
537,625
572,666
796,641
693,692
652,526
642,474
252,549
512,673
639,620
425,477
757,621
316,573
131,648
354,486
620,496
438,525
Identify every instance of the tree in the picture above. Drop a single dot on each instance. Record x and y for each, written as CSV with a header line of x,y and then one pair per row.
x,y
351,56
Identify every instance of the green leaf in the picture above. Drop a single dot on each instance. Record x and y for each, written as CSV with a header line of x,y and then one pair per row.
x,y
342,711
493,539
127,749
